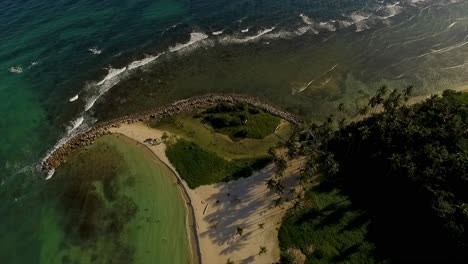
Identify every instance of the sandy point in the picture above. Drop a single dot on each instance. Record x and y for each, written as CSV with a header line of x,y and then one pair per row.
x,y
234,220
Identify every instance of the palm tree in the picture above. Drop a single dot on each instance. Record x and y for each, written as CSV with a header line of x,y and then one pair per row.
x,y
341,123
374,100
333,168
270,183
408,92
272,152
293,148
278,202
393,101
278,187
292,190
364,111
239,230
383,90
365,132
299,204
263,250
341,108
281,165
330,119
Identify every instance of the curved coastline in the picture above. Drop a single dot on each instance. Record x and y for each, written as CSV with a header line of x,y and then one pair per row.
x,y
60,155
191,223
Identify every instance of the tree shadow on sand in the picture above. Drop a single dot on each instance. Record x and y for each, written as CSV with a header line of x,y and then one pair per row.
x,y
244,203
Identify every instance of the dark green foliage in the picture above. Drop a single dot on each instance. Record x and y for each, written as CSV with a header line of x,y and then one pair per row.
x,y
239,121
332,231
198,166
407,167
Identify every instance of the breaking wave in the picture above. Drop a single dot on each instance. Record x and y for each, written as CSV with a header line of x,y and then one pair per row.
x,y
16,69
95,50
74,98
194,38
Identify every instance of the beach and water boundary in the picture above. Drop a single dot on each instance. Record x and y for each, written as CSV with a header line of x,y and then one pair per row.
x,y
191,225
63,152
60,153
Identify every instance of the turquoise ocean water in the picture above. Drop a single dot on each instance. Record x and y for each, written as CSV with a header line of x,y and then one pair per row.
x,y
69,63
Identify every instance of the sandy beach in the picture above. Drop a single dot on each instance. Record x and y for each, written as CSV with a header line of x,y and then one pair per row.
x,y
220,210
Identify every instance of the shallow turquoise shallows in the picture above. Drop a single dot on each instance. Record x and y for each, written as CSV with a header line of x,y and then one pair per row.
x,y
127,208
59,60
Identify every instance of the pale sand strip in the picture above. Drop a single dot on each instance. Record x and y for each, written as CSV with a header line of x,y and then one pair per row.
x,y
220,208
421,98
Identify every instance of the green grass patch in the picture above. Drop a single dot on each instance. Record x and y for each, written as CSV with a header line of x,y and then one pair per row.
x,y
198,166
332,231
190,128
239,121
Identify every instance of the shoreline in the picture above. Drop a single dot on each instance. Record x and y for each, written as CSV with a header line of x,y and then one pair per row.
x,y
218,209
61,153
190,220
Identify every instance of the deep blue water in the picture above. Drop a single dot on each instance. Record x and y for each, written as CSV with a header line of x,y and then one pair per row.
x,y
51,51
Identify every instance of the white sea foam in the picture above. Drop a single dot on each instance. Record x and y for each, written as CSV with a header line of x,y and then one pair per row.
x,y
16,69
303,88
456,66
245,30
216,33
95,50
302,30
260,34
327,81
451,25
33,63
194,38
399,76
359,20
74,98
75,124
306,19
327,26
297,90
390,10
112,73
140,63
50,174
316,26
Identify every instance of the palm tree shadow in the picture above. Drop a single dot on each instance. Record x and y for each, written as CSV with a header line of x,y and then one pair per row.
x,y
242,203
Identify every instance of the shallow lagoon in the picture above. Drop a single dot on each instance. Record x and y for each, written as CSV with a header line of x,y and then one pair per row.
x,y
114,202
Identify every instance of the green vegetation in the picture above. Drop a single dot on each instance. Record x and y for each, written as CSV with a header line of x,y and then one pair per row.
x,y
240,121
404,167
198,166
332,231
190,127
203,151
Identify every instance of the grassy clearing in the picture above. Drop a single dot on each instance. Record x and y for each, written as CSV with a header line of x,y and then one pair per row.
x,y
192,129
332,231
198,166
239,121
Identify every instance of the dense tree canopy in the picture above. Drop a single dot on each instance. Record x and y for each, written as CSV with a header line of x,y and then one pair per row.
x,y
407,167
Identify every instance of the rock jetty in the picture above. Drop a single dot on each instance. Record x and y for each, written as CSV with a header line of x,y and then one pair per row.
x,y
187,105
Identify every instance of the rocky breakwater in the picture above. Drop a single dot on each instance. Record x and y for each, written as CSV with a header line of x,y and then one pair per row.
x,y
62,153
